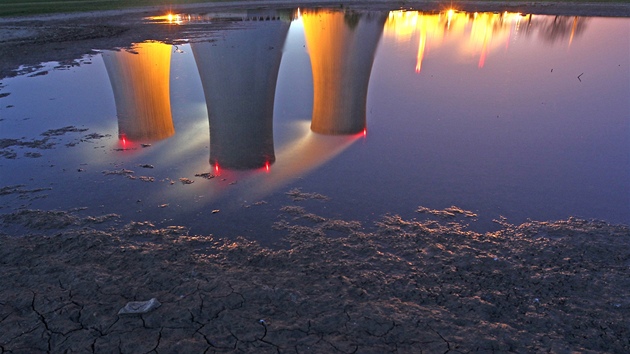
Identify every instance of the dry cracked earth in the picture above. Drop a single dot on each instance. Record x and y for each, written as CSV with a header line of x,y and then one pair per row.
x,y
425,285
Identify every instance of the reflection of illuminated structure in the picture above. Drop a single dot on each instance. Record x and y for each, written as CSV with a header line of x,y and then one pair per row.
x,y
140,81
403,25
238,73
341,46
485,31
478,33
306,153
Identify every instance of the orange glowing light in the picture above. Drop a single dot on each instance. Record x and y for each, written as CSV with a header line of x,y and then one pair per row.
x,y
140,83
573,28
449,17
476,34
482,57
169,18
420,55
341,58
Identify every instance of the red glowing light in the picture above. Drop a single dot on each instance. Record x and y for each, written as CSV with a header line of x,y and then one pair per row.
x,y
365,132
216,167
267,167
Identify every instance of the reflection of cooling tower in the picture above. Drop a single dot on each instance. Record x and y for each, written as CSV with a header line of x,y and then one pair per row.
x,y
239,73
140,81
341,46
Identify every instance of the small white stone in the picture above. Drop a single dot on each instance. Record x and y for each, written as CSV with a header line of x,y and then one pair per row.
x,y
138,307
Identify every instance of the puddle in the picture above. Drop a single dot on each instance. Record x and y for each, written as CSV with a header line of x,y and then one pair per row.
x,y
377,112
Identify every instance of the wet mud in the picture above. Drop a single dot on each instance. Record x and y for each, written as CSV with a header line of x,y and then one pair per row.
x,y
408,286
9,148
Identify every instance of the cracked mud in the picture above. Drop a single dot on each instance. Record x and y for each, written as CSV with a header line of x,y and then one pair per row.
x,y
407,286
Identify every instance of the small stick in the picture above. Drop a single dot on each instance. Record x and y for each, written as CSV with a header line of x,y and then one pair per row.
x,y
579,77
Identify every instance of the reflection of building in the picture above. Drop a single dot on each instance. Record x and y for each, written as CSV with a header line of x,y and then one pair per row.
x,y
476,34
307,152
140,81
341,46
238,73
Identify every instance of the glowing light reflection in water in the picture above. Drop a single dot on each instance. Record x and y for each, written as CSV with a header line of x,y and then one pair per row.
x,y
140,82
497,113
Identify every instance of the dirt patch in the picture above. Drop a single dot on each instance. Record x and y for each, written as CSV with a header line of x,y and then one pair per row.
x,y
409,285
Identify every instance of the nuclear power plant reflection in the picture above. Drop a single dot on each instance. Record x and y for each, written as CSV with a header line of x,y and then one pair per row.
x,y
238,72
140,81
341,46
476,34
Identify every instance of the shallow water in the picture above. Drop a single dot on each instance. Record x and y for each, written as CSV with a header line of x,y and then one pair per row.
x,y
501,114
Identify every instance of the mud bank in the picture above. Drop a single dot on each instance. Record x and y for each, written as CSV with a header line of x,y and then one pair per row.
x,y
408,286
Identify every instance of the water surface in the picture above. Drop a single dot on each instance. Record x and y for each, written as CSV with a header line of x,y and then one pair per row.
x,y
521,116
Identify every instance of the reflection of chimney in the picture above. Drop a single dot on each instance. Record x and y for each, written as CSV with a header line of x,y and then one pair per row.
x,y
297,158
140,81
238,73
341,47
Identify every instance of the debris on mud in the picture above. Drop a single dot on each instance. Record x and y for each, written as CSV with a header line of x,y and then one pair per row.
x,y
10,155
32,155
129,174
19,189
62,131
123,172
146,179
95,136
185,180
447,213
206,175
34,144
39,73
258,203
139,307
297,195
46,143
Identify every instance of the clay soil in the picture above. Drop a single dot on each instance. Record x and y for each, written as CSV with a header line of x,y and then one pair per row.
x,y
425,285
406,286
